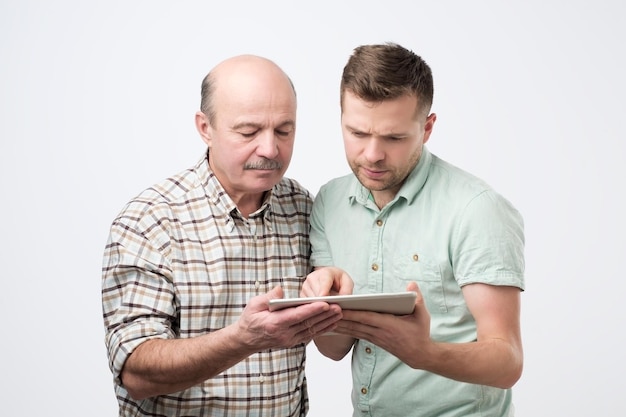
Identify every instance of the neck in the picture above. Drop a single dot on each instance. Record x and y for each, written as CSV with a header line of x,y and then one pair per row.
x,y
249,203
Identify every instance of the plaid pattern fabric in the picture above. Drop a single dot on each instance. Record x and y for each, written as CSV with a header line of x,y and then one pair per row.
x,y
181,262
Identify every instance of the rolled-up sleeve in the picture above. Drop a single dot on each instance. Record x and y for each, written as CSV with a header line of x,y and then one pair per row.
x,y
488,245
138,296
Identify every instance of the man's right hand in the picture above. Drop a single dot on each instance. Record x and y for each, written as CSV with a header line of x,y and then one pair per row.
x,y
327,280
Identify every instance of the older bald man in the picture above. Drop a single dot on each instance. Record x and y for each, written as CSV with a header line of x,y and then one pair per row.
x,y
192,262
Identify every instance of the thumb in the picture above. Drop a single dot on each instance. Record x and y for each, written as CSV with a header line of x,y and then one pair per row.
x,y
419,300
412,286
276,292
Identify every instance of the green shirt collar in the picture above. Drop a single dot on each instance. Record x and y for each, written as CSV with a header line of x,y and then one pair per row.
x,y
409,190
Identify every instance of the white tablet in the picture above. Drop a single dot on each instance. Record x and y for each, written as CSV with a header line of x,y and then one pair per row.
x,y
398,303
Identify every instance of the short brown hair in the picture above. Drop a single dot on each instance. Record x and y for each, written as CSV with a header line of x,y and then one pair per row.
x,y
387,71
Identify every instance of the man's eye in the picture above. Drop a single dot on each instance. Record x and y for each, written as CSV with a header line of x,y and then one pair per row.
x,y
358,134
283,132
248,134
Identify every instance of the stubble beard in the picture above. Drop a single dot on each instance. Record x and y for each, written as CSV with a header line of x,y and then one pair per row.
x,y
393,178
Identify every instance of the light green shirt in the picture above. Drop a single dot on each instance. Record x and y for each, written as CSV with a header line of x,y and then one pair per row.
x,y
445,229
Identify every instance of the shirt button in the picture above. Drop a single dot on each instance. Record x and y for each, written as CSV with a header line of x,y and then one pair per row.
x,y
363,390
368,350
379,222
415,257
374,267
257,284
261,379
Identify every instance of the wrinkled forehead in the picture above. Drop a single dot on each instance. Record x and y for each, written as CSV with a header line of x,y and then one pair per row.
x,y
264,97
404,106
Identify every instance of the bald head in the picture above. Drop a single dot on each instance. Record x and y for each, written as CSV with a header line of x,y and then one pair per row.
x,y
248,122
247,74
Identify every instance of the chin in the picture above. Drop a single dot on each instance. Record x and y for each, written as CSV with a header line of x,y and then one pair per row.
x,y
370,183
265,183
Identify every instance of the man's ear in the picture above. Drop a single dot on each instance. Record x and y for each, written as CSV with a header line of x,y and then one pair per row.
x,y
428,126
204,127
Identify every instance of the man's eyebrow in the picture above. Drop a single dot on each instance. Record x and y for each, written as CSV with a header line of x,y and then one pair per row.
x,y
352,128
287,123
247,124
241,125
396,134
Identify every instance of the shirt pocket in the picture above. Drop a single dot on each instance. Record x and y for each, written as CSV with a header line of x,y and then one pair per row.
x,y
409,267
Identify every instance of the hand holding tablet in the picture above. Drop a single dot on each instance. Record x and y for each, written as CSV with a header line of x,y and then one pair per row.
x,y
398,303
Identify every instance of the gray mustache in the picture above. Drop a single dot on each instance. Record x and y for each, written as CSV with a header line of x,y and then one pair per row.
x,y
263,164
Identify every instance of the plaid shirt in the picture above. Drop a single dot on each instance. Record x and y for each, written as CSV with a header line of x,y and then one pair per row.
x,y
181,262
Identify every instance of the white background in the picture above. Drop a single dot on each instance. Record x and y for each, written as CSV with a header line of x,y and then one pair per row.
x,y
97,102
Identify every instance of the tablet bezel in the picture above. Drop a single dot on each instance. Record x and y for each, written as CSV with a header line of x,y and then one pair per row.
x,y
398,303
